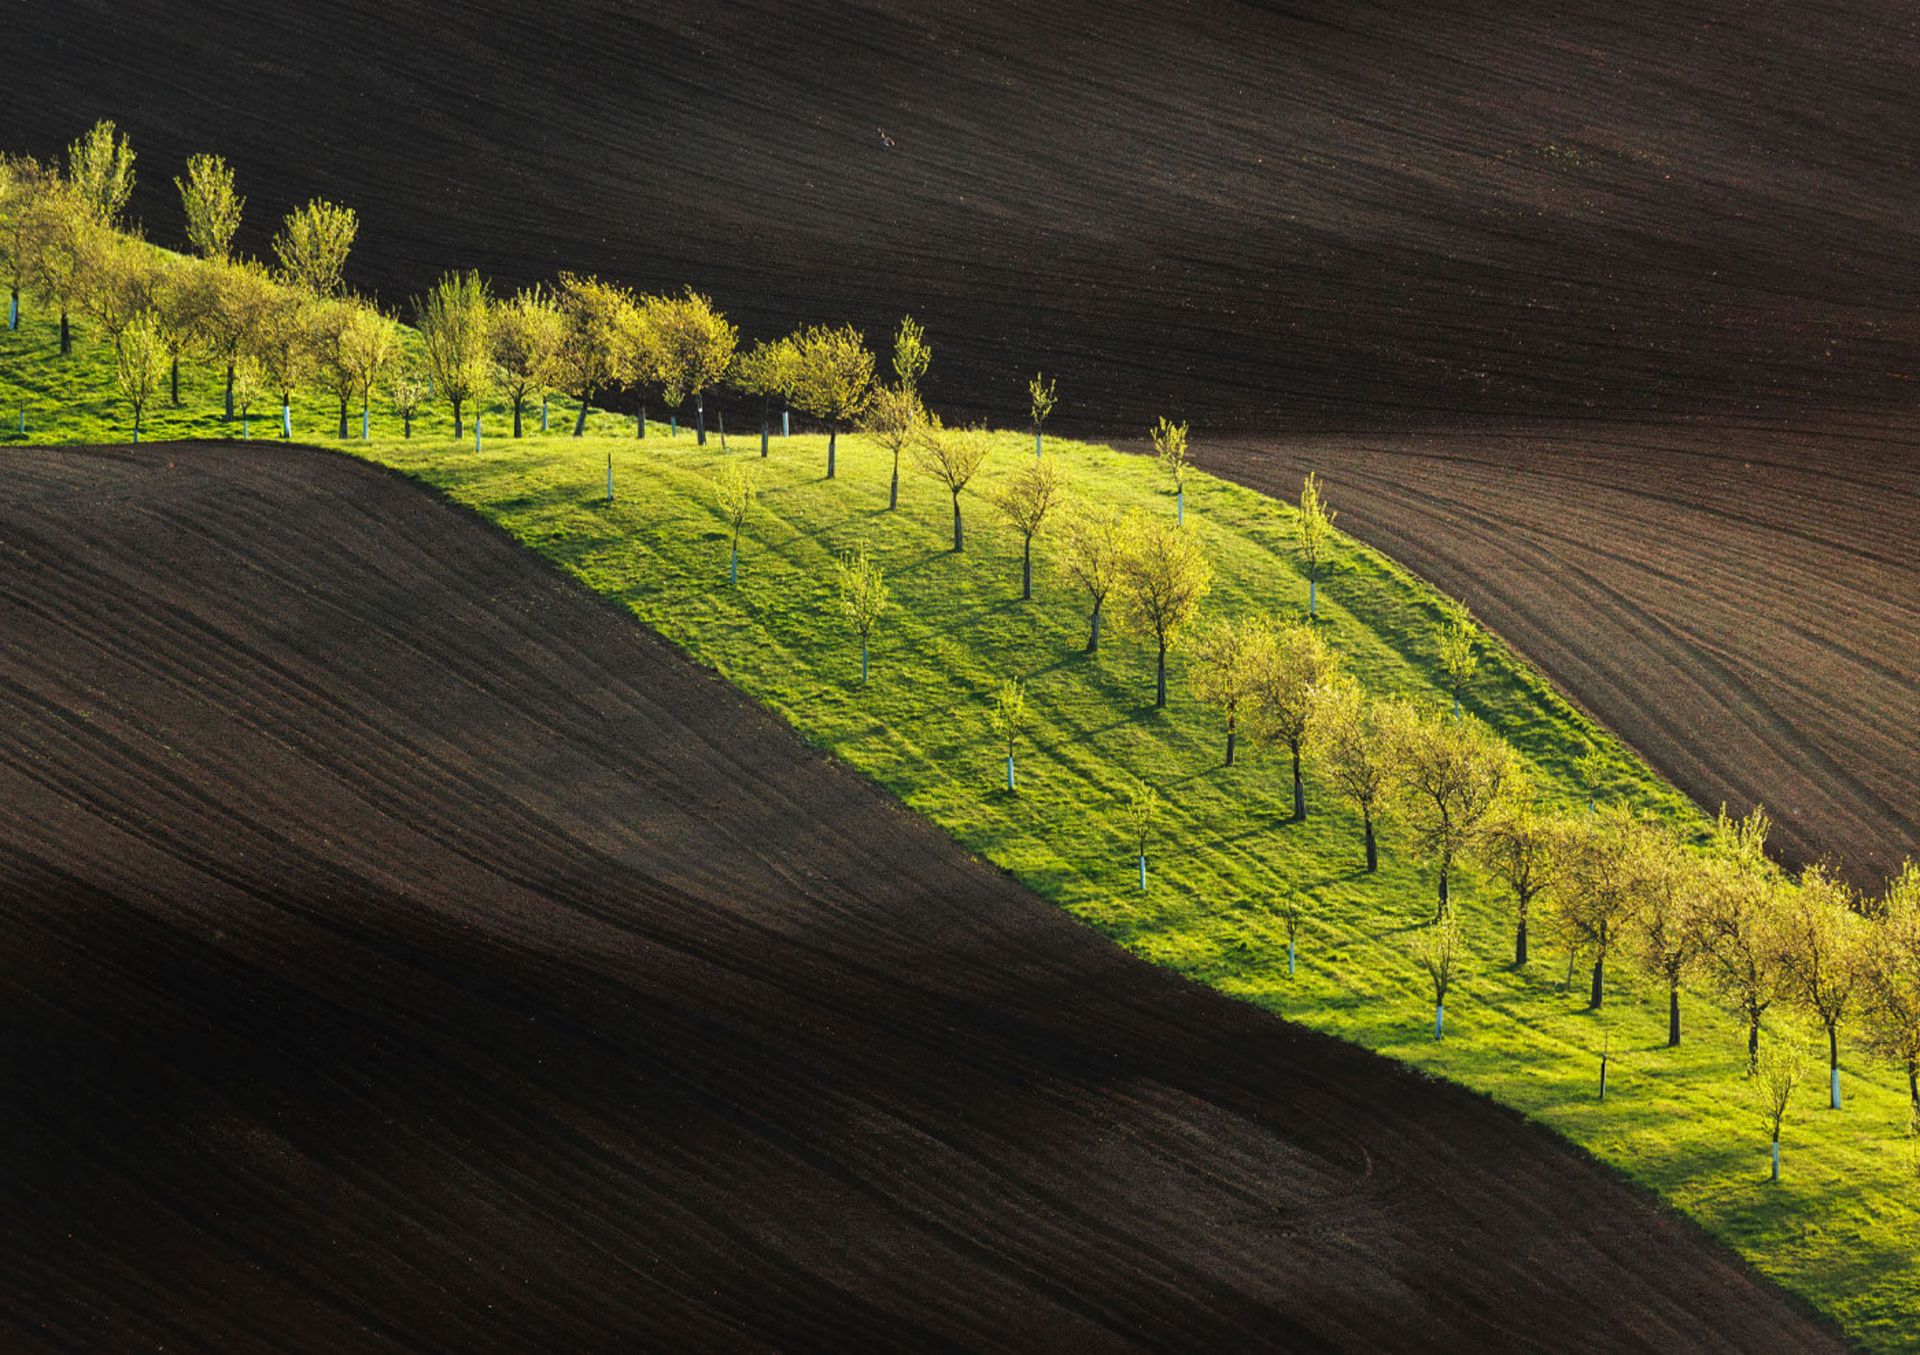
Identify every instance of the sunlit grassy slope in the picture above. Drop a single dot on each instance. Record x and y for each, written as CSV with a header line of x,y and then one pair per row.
x,y
1840,1230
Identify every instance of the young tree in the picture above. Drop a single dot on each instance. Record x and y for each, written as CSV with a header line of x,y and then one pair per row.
x,y
1450,776
1345,732
367,346
911,355
1040,403
22,182
1314,530
100,168
527,335
1227,660
57,231
212,206
140,364
1739,894
246,383
1009,720
894,419
182,292
768,369
863,598
833,379
239,297
950,455
1026,501
312,246
1822,937
331,320
1458,659
284,345
1290,907
1143,815
1669,931
1094,540
595,315
1523,846
1164,573
454,319
1592,769
1604,884
691,351
734,493
1775,1076
409,392
1292,666
1890,973
1170,447
1439,950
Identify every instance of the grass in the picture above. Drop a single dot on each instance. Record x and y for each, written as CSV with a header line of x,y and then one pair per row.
x,y
1839,1230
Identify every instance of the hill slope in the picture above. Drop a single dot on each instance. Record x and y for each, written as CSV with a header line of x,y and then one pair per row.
x,y
411,951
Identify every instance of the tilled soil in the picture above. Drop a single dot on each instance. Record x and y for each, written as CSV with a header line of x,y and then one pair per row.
x,y
407,951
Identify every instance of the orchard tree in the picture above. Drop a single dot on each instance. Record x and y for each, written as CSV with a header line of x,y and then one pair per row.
x,y
1170,448
115,281
1604,885
1009,720
1822,940
1040,405
1738,903
1669,932
1227,658
239,297
595,315
368,345
455,320
1439,950
1458,657
1292,666
1313,528
140,364
1524,846
1290,908
1890,972
1450,776
57,232
527,337
409,393
1143,816
1776,1075
211,205
23,181
284,344
911,355
182,290
1027,499
312,246
950,455
895,419
1347,738
734,494
769,369
863,598
1164,573
691,352
331,321
100,169
833,380
247,382
1095,537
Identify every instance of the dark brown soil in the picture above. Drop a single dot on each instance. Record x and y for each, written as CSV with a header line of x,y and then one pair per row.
x,y
404,950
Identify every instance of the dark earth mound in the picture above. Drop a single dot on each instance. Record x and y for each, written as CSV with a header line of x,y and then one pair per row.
x,y
405,950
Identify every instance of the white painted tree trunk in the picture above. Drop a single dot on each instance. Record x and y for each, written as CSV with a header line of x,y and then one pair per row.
x,y
286,419
476,430
1439,1021
1143,872
1009,771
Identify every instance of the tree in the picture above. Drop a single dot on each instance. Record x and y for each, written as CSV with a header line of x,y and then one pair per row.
x,y
1439,950
863,598
734,492
182,290
140,364
1026,501
1313,528
1092,560
1291,910
331,320
595,315
527,336
368,345
1458,659
911,355
1523,846
1170,448
1449,777
1227,659
1143,815
1292,665
950,455
894,418
690,352
212,206
115,280
1739,891
1775,1076
23,181
100,169
239,297
1346,736
454,319
312,246
57,233
1822,942
769,369
1669,933
1009,720
1890,973
1604,884
246,383
409,392
833,379
1040,403
1163,575
284,345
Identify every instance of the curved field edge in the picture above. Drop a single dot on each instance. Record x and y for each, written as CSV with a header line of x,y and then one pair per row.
x,y
1837,1232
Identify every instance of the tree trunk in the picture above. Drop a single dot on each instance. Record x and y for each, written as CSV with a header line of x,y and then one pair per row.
x,y
720,418
699,421
1232,736
176,381
13,308
459,428
959,541
766,421
1753,1043
1299,788
1026,572
1373,849
1093,631
1160,688
1520,940
1599,980
1673,1016
1833,1066
1913,1081
863,660
406,426
66,334
580,424
833,442
1444,866
344,433
229,392
893,490
516,417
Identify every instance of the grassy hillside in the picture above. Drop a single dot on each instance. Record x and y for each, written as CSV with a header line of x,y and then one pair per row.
x,y
1839,1230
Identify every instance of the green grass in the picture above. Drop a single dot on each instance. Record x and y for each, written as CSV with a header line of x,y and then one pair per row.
x,y
1840,1230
